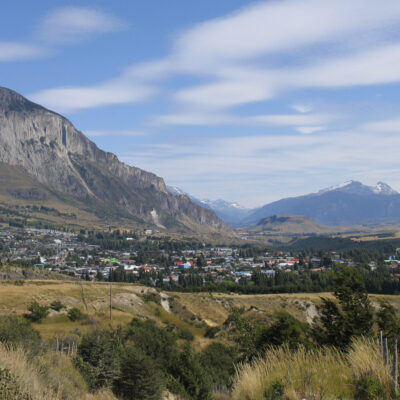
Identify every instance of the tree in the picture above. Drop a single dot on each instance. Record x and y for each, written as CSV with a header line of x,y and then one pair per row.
x,y
219,360
139,377
100,353
190,373
388,320
353,316
284,330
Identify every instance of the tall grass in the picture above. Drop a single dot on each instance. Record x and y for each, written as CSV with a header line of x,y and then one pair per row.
x,y
46,377
322,374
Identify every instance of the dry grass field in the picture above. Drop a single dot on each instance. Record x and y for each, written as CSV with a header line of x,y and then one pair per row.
x,y
194,311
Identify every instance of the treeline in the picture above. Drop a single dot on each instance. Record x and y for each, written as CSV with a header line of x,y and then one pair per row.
x,y
117,240
316,244
380,281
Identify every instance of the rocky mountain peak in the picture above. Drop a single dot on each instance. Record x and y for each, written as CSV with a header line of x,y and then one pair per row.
x,y
49,147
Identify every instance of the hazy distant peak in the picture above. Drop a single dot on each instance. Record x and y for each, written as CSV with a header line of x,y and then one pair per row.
x,y
222,204
383,188
356,187
176,191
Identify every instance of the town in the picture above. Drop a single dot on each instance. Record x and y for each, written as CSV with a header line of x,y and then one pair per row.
x,y
187,265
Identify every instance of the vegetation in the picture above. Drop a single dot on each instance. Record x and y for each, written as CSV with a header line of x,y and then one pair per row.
x,y
325,373
37,312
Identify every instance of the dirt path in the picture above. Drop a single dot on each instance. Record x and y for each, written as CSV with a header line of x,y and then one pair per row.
x,y
165,302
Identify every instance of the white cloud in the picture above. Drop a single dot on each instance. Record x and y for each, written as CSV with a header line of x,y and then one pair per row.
x,y
307,130
16,51
302,108
388,126
231,53
114,132
71,24
273,26
210,118
69,99
242,167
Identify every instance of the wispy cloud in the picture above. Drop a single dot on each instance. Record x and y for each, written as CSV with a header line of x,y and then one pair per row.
x,y
72,24
16,51
232,53
307,130
209,119
70,99
302,108
114,132
240,167
386,126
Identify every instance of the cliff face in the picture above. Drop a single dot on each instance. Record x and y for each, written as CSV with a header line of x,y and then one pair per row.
x,y
50,149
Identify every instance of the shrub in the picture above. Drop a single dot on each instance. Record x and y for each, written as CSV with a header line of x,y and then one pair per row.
x,y
150,296
9,387
219,359
211,332
186,334
75,314
155,342
368,387
37,312
275,391
16,331
56,305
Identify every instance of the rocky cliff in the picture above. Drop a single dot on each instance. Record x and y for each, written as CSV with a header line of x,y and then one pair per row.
x,y
51,150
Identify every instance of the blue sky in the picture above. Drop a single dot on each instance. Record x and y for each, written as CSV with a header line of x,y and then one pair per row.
x,y
240,100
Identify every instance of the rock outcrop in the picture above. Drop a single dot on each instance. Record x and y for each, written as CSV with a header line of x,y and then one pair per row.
x,y
51,150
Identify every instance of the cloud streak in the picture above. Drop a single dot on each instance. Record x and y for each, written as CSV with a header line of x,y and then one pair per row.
x,y
16,51
71,24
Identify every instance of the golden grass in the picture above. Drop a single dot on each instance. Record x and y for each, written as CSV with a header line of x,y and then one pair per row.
x,y
318,374
48,377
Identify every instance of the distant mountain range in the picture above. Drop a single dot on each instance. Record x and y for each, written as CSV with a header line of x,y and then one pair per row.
x,y
62,164
232,213
350,203
346,204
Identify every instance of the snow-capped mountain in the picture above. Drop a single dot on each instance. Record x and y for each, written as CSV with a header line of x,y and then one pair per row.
x,y
230,212
349,203
356,187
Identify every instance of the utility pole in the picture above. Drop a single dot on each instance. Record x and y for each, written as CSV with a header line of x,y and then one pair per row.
x,y
395,367
110,300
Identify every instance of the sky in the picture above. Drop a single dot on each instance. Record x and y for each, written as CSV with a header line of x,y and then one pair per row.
x,y
240,100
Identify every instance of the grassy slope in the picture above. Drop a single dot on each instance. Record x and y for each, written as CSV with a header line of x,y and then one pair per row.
x,y
194,311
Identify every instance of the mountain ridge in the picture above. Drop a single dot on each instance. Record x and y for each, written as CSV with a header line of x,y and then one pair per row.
x,y
58,155
347,204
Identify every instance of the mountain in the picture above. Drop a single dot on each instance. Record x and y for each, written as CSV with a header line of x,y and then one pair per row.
x,y
350,203
63,160
286,224
229,212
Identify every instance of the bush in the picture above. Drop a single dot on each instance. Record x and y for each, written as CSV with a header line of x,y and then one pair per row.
x,y
9,387
155,342
219,360
75,314
56,305
16,331
275,391
150,296
185,334
211,332
37,312
368,387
